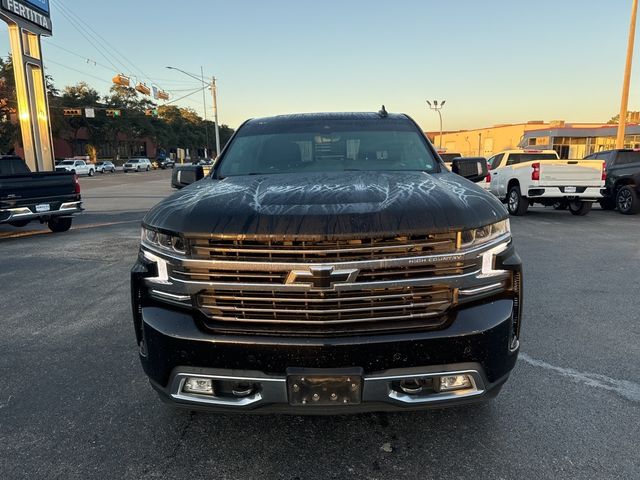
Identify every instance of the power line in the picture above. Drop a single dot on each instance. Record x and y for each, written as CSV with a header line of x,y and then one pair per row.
x,y
81,30
76,70
97,34
87,59
187,95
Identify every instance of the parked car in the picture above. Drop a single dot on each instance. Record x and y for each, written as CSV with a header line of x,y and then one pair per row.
x,y
79,167
165,163
524,177
329,263
105,166
622,188
47,197
137,165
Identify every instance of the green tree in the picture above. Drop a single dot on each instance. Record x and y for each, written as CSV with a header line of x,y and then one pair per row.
x,y
9,128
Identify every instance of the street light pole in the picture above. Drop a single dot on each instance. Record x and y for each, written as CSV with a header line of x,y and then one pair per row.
x,y
627,77
204,102
437,108
214,93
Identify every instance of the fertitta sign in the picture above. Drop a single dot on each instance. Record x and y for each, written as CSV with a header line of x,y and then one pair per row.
x,y
19,10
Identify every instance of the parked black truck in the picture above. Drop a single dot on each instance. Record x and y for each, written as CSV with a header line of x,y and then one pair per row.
x,y
622,187
48,197
329,263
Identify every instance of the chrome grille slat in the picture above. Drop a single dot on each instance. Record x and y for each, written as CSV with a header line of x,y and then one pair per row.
x,y
412,316
365,275
306,298
335,311
319,308
322,250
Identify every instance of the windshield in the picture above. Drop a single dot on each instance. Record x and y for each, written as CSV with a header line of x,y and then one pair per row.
x,y
134,161
327,145
67,162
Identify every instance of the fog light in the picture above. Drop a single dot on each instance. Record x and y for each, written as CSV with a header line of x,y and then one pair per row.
x,y
203,386
454,382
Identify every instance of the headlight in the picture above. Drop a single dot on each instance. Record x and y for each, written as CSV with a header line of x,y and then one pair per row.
x,y
162,241
482,235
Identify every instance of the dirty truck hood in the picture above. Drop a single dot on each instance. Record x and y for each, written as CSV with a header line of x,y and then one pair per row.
x,y
329,205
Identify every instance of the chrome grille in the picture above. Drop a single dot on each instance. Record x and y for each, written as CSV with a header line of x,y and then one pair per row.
x,y
322,251
320,311
275,277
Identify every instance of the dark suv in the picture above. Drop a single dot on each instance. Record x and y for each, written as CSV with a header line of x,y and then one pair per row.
x,y
328,263
623,180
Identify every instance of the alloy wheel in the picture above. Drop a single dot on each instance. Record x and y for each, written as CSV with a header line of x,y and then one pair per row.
x,y
624,200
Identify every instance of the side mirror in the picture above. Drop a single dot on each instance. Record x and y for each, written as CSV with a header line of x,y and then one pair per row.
x,y
472,168
184,175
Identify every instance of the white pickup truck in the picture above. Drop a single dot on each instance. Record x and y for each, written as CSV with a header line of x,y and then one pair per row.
x,y
523,177
79,167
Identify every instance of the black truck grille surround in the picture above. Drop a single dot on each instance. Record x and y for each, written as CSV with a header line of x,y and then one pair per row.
x,y
271,307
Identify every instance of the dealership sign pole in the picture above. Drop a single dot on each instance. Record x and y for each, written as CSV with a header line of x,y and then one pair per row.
x,y
28,20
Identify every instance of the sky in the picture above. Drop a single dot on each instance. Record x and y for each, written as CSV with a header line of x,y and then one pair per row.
x,y
493,61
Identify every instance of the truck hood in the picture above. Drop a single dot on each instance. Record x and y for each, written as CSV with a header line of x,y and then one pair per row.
x,y
328,205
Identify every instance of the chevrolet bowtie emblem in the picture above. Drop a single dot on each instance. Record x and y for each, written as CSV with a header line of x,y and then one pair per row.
x,y
322,277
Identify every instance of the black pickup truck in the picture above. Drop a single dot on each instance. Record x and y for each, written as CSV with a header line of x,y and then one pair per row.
x,y
329,263
49,197
622,187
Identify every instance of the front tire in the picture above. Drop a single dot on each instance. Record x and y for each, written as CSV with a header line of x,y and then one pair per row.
x,y
579,208
91,172
627,200
147,169
59,224
516,203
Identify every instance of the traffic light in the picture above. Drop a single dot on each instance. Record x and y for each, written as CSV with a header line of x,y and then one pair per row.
x,y
143,89
121,79
113,113
72,112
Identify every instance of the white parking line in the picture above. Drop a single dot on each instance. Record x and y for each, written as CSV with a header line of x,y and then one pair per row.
x,y
627,389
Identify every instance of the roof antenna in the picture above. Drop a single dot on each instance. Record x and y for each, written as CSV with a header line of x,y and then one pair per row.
x,y
383,112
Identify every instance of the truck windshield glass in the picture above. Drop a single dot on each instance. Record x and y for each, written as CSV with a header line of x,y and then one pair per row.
x,y
67,162
327,146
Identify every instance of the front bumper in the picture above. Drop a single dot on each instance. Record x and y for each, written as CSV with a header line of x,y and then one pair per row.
x,y
27,213
476,343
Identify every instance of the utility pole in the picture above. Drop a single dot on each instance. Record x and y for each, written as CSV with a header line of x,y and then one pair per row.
x,y
214,93
204,101
437,108
627,77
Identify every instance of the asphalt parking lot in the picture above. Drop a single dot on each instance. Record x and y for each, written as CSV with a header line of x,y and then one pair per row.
x,y
74,402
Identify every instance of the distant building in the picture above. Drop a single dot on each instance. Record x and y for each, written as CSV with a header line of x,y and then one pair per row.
x,y
572,142
569,139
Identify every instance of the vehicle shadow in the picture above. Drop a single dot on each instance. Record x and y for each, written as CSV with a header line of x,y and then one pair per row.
x,y
365,445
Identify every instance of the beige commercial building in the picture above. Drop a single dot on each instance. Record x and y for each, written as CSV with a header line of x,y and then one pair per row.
x,y
485,142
